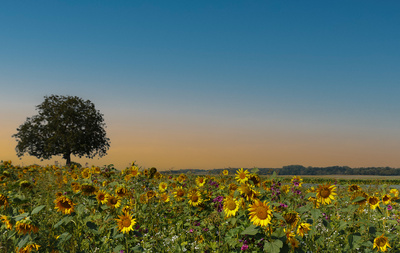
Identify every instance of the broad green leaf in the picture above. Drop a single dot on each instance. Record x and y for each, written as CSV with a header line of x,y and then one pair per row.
x,y
24,240
91,225
37,209
359,198
250,230
273,247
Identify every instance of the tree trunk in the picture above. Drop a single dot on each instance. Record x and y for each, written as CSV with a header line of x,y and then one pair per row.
x,y
68,158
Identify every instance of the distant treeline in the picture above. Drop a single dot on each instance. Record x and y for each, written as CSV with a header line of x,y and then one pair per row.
x,y
301,170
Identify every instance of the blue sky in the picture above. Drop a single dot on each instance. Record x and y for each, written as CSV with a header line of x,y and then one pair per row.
x,y
266,73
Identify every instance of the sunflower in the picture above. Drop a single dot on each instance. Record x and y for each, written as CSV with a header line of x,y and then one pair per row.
x,y
96,170
326,193
25,227
179,193
76,187
373,202
125,222
285,188
381,242
113,201
394,192
386,199
121,191
260,213
58,194
135,171
360,194
291,218
297,181
3,200
86,173
200,181
354,188
143,198
181,178
247,191
88,189
291,239
266,185
150,194
303,229
28,248
194,198
162,186
101,197
64,205
233,187
231,206
225,172
6,221
242,176
164,197
255,179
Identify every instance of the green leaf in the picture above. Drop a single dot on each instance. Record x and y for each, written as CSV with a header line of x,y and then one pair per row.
x,y
315,214
37,209
64,237
24,240
274,246
359,198
21,216
278,216
255,170
310,194
250,230
58,223
118,248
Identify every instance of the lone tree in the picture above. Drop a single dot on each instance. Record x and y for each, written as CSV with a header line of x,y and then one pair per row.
x,y
65,125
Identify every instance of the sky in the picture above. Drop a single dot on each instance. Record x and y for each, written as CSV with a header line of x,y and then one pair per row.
x,y
211,84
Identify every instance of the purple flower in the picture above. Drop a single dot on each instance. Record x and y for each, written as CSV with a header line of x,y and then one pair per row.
x,y
389,207
191,230
244,247
121,251
218,199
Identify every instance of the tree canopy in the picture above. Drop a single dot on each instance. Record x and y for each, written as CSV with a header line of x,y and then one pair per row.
x,y
64,125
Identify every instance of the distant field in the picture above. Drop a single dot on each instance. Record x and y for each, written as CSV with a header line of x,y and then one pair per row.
x,y
347,177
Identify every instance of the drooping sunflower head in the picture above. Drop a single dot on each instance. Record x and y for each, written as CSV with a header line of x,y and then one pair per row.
x,y
64,205
25,184
291,218
363,197
5,219
260,213
76,187
121,191
3,200
150,194
242,176
74,176
373,202
285,188
303,229
125,222
113,201
88,189
354,188
26,226
326,193
255,179
381,243
246,190
194,198
231,206
143,198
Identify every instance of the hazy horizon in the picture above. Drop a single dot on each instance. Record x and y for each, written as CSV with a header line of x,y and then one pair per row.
x,y
208,84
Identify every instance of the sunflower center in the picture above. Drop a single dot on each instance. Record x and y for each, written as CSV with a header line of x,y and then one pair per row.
x,y
381,242
113,201
195,198
261,213
373,201
231,205
180,193
134,172
325,192
65,204
126,222
242,175
101,197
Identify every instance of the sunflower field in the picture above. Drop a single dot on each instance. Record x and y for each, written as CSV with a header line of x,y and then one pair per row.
x,y
70,209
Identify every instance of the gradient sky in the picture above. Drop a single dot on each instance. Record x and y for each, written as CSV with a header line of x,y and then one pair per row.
x,y
212,84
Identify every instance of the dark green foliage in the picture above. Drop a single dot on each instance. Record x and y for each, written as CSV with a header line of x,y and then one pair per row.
x,y
64,125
